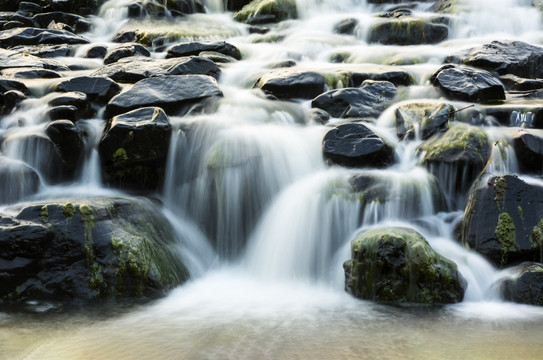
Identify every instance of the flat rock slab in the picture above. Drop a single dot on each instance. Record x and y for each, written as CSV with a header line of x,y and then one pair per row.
x,y
35,36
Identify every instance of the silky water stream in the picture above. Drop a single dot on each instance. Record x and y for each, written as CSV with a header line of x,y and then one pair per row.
x,y
265,249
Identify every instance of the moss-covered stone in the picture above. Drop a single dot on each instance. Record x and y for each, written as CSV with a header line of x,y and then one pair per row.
x,y
505,234
408,31
397,265
267,11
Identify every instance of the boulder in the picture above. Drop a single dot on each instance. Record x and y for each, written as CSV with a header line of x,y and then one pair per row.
x,y
504,57
528,145
456,157
355,145
76,99
96,52
35,36
398,266
367,101
77,22
44,51
462,83
422,120
346,26
517,83
407,31
10,100
68,141
503,220
134,148
87,251
97,88
173,93
12,59
267,11
195,48
292,83
64,112
124,51
17,179
524,285
8,85
31,73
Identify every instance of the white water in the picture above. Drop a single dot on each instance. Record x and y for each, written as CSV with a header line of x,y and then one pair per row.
x,y
264,224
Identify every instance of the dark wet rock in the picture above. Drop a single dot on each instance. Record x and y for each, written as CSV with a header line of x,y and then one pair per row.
x,y
346,26
504,57
444,6
30,7
124,51
131,70
358,74
528,145
18,180
12,59
355,145
68,141
79,7
217,57
23,18
292,84
235,5
195,48
515,83
77,99
99,89
398,266
267,11
503,220
10,99
96,52
462,83
524,285
135,10
12,25
68,112
124,36
87,251
29,73
367,101
134,148
44,51
77,22
34,36
318,116
8,84
422,120
173,93
60,26
456,157
408,32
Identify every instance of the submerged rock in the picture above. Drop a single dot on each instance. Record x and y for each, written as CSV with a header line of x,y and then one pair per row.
x,y
267,11
17,179
462,83
525,285
134,148
77,253
504,57
173,93
422,119
367,101
355,145
397,265
504,220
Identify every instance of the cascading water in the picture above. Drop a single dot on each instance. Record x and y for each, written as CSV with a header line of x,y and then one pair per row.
x,y
264,223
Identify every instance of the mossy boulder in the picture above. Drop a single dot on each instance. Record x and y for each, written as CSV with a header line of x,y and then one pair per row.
x,y
407,31
267,11
398,266
422,120
87,251
524,285
503,220
457,157
134,147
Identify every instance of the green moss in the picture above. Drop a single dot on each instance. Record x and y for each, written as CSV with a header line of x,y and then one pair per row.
x,y
279,9
96,279
505,233
44,214
119,157
68,210
500,186
536,239
87,218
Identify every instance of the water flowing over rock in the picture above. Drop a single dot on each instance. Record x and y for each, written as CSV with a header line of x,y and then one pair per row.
x,y
398,265
134,147
18,180
355,145
461,83
503,220
267,11
174,94
422,120
525,286
87,251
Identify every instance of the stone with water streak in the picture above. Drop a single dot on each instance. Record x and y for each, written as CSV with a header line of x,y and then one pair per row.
x,y
355,145
35,36
370,100
398,266
422,119
195,48
87,251
98,89
125,50
134,148
524,285
68,141
18,180
466,84
503,220
175,94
